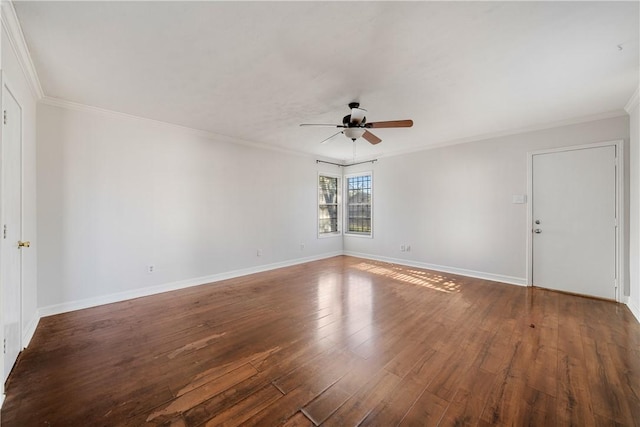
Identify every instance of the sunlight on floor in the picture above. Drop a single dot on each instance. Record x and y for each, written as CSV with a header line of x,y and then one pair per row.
x,y
434,281
347,309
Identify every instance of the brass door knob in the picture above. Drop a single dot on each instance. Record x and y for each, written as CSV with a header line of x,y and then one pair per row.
x,y
22,244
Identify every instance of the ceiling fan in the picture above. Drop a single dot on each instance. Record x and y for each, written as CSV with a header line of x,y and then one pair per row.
x,y
355,125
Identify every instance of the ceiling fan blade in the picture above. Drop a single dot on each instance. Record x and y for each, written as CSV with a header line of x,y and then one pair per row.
x,y
325,140
371,137
357,115
390,124
322,124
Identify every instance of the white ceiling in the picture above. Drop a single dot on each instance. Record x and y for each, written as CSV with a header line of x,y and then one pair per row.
x,y
255,70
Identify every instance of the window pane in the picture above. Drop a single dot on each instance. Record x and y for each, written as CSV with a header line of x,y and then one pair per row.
x,y
359,204
328,219
359,189
359,218
328,210
328,190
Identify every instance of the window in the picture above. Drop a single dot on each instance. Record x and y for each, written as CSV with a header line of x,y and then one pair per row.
x,y
328,205
358,204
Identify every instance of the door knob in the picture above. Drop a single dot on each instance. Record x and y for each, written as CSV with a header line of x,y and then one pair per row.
x,y
22,244
537,231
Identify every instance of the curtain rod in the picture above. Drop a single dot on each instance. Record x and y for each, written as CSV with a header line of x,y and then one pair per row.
x,y
345,166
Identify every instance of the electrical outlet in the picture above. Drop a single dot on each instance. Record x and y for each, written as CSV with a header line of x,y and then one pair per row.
x,y
151,268
402,248
408,248
302,246
259,252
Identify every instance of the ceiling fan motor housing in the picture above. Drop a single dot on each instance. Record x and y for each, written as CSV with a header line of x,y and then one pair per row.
x,y
346,120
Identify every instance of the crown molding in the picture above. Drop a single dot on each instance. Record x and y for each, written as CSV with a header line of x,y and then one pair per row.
x,y
634,101
13,30
70,105
500,134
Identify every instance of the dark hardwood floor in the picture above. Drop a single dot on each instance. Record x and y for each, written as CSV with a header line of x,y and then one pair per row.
x,y
338,342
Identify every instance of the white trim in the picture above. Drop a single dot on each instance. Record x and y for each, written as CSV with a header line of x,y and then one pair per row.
x,y
345,219
633,102
5,87
172,286
338,203
30,329
520,281
11,25
1,249
529,228
635,310
70,105
620,230
510,132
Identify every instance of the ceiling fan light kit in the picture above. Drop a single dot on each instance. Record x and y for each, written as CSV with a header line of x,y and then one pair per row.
x,y
355,125
353,133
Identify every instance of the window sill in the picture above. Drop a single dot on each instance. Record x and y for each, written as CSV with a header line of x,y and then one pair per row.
x,y
359,235
329,235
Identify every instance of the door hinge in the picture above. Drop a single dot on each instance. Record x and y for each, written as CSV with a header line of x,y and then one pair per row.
x,y
4,232
4,117
5,346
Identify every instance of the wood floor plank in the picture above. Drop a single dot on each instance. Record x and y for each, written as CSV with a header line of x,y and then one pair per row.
x,y
607,393
285,408
287,360
446,381
360,404
198,395
468,403
316,370
328,402
341,341
391,410
426,411
573,405
298,420
245,409
505,401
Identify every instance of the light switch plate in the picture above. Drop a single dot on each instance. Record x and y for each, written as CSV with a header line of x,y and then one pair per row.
x,y
519,199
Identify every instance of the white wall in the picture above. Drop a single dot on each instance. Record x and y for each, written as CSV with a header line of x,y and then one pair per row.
x,y
453,205
117,194
19,86
634,255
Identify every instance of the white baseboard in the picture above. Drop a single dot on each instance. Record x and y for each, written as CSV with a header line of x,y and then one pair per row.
x,y
30,329
181,284
520,281
172,286
633,307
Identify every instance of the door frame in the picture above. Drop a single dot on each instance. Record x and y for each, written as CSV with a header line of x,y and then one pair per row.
x,y
619,208
4,84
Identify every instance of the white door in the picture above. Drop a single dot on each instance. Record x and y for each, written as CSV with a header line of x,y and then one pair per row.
x,y
574,221
11,231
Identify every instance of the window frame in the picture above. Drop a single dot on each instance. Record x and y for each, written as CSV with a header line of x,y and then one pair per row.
x,y
347,204
338,232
